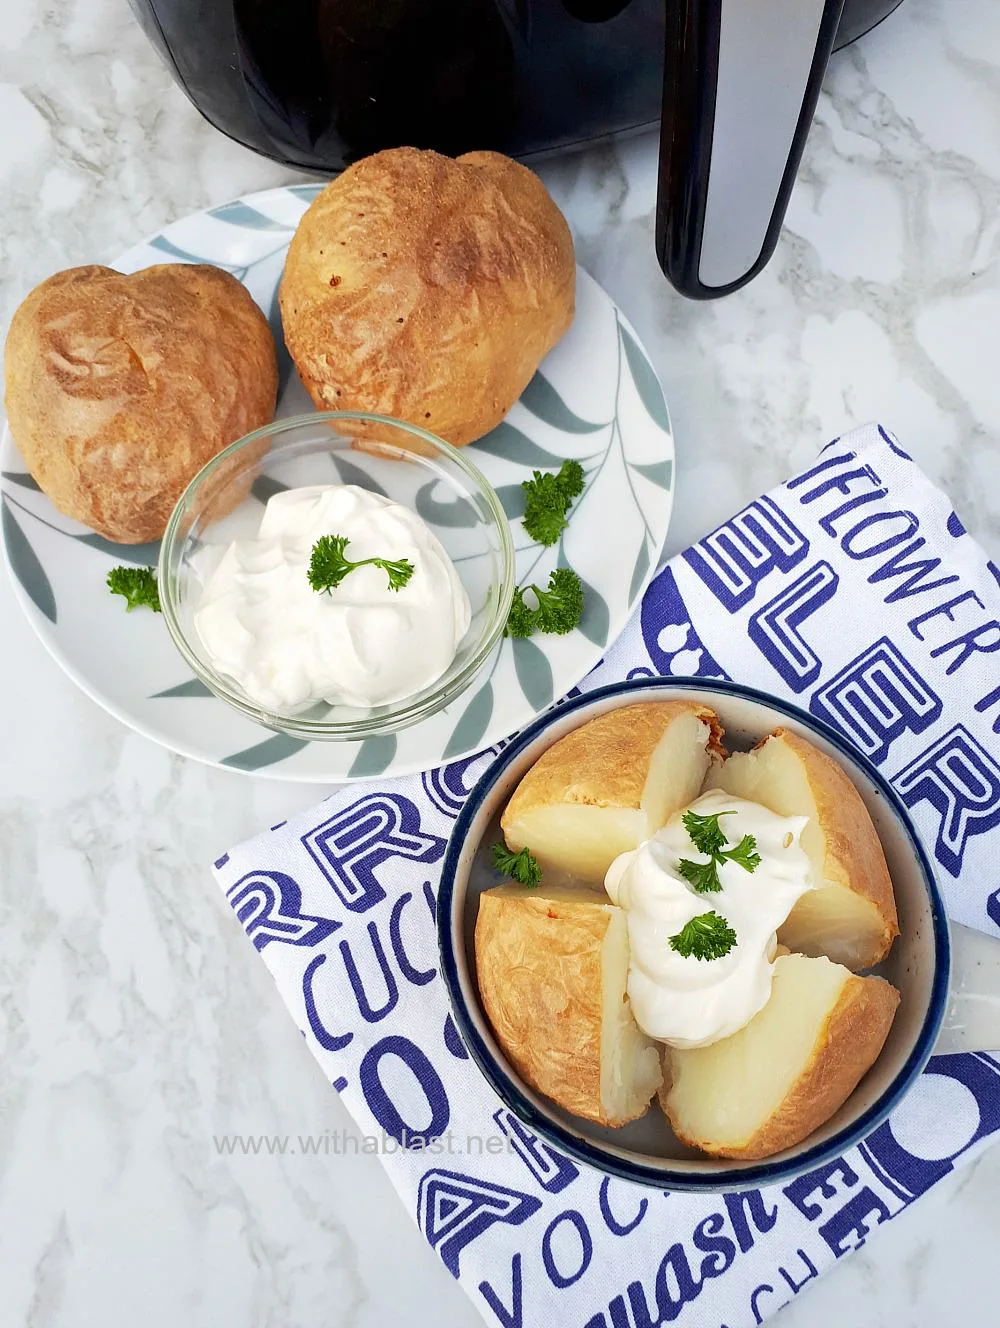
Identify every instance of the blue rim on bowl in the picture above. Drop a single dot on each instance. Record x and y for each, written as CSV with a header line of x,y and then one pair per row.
x,y
716,1173
433,454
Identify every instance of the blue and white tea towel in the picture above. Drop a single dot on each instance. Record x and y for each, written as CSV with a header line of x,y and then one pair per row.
x,y
854,590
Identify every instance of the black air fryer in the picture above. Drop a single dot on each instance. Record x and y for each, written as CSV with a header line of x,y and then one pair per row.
x,y
319,83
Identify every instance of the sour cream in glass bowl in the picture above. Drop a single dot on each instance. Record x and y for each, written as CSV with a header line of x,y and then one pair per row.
x,y
392,640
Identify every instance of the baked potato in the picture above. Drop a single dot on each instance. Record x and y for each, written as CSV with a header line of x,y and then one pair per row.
x,y
788,1070
427,289
604,788
119,388
552,965
851,916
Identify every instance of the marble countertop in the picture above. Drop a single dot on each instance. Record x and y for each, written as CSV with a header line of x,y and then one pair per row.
x,y
136,1024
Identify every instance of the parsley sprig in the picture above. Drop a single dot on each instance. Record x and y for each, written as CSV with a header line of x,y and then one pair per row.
x,y
548,497
328,566
559,607
708,936
137,586
709,838
521,867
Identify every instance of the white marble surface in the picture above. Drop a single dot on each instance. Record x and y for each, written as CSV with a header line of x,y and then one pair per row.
x,y
135,1021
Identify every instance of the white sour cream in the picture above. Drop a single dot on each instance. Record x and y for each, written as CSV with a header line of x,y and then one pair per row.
x,y
690,1002
362,644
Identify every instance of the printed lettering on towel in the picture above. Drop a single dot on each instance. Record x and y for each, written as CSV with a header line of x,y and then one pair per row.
x,y
550,1169
453,1210
737,557
961,781
351,846
876,699
683,1272
774,628
268,905
449,785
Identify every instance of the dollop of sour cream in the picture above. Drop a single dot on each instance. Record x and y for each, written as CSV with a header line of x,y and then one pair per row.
x,y
362,644
691,1002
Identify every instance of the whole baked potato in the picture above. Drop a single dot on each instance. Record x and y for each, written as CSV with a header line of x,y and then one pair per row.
x,y
120,388
428,289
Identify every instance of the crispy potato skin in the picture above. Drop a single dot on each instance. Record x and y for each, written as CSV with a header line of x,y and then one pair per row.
x,y
538,964
428,289
854,856
847,1045
603,763
120,388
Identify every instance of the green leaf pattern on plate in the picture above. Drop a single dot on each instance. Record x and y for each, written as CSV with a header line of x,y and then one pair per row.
x,y
511,500
469,730
644,376
596,621
375,755
22,478
265,487
25,565
265,753
457,511
639,572
193,687
507,441
542,399
142,555
239,213
534,672
510,453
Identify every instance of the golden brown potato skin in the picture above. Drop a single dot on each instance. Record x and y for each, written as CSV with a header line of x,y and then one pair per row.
x,y
428,289
604,763
120,388
538,964
854,855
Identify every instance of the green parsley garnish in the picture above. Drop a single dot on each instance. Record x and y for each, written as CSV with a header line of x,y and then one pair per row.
x,y
702,876
521,867
137,585
548,497
708,936
706,833
709,838
559,607
328,566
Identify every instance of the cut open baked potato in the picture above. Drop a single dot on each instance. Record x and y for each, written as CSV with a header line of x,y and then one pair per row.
x,y
604,788
795,1063
552,965
851,916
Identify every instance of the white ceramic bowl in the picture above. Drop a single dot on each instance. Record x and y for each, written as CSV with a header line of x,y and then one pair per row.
x,y
647,1151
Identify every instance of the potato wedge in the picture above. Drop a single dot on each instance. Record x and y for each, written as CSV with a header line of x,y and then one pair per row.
x,y
782,1076
552,967
607,786
851,916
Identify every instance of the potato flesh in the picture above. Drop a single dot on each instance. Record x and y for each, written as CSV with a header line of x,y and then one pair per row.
x,y
723,1094
583,839
577,838
831,920
834,922
676,771
630,1061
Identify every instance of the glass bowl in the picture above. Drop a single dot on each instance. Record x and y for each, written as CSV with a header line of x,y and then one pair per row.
x,y
225,501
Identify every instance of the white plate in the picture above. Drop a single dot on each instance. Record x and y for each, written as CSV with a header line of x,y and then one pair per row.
x,y
596,398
